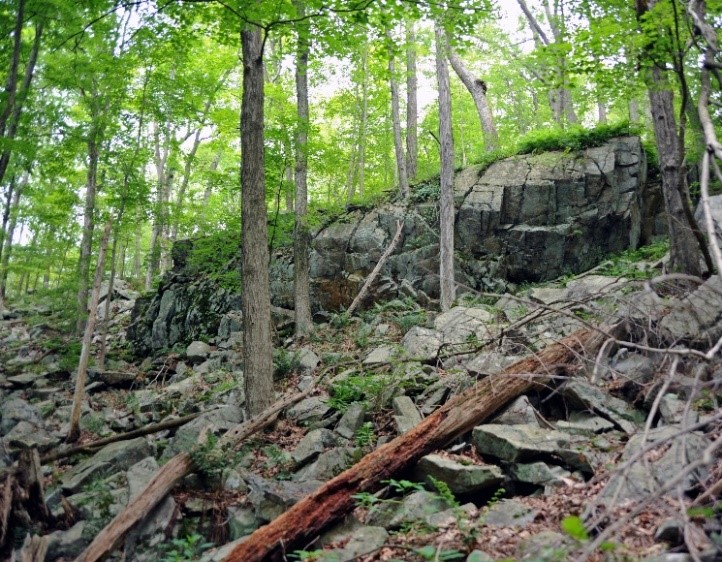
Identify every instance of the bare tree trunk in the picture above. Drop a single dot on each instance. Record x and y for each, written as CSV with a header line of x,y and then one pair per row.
x,y
108,302
396,123
446,202
209,186
477,89
9,232
633,111
78,396
411,102
289,192
88,227
257,344
302,235
601,112
136,256
364,120
11,83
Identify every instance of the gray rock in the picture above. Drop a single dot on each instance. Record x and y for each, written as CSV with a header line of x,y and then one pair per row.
x,y
16,410
382,354
422,343
24,380
406,414
360,542
456,516
270,498
308,411
242,522
68,543
110,459
351,421
642,478
417,506
696,319
585,395
329,464
509,513
580,423
313,443
519,443
670,531
715,204
233,481
538,473
213,422
519,412
672,410
27,435
462,324
197,351
307,359
461,478
549,295
161,515
545,545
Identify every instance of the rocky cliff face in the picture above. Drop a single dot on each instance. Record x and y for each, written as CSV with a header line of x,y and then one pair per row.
x,y
525,218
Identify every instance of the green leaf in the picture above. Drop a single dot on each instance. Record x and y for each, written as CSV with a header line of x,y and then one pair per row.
x,y
574,527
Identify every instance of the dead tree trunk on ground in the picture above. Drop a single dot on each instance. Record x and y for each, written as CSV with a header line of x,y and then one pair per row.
x,y
334,499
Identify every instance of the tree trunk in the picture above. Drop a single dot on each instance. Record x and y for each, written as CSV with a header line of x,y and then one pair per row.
x,y
477,89
301,234
633,111
19,102
364,120
88,227
79,394
11,83
257,344
601,112
446,201
396,123
411,102
335,499
108,301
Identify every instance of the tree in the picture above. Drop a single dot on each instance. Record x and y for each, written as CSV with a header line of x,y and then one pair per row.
x,y
446,200
302,235
396,123
257,344
412,116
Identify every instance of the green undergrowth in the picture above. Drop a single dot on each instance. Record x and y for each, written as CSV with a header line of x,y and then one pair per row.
x,y
632,263
573,138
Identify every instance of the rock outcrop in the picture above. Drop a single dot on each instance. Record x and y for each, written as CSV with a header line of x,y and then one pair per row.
x,y
525,218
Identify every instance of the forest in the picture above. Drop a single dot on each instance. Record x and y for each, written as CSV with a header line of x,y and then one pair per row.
x,y
153,150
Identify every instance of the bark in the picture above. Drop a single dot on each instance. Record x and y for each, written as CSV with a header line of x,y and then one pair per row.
x,y
601,112
364,120
633,111
257,344
477,89
19,103
10,217
396,124
335,499
301,232
411,102
88,227
372,276
446,200
209,186
79,394
100,362
11,83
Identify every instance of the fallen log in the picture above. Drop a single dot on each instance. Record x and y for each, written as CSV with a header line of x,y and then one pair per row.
x,y
171,474
334,500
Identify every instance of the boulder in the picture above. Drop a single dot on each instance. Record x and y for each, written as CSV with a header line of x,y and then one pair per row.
x,y
461,478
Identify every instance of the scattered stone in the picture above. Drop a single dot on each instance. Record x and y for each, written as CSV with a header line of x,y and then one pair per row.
x,y
160,517
584,395
417,506
111,458
670,531
422,344
697,319
307,359
519,412
270,498
351,421
213,422
549,295
545,545
406,415
460,324
461,478
241,522
360,542
24,380
233,481
314,443
581,423
329,464
672,410
479,556
382,354
538,473
28,435
509,513
449,517
308,411
68,544
16,410
197,351
516,443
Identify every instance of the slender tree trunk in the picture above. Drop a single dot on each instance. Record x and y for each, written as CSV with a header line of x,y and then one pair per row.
x,y
19,102
685,254
212,169
108,302
446,214
302,235
364,120
257,344
601,112
477,89
351,175
411,102
396,123
136,256
88,227
11,83
79,394
633,111
289,194
9,232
